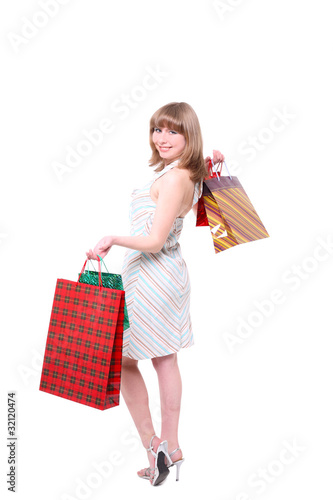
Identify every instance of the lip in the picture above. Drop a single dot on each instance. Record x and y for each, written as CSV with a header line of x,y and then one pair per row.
x,y
164,148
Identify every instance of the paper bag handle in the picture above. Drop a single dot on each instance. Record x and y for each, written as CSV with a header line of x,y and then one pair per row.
x,y
101,261
100,282
216,170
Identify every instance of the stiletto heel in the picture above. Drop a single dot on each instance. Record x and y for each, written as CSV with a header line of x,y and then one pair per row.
x,y
178,463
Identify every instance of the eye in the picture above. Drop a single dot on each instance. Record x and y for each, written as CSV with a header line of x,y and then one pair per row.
x,y
156,129
173,132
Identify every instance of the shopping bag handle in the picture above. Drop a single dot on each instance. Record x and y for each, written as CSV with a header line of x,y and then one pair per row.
x,y
216,170
100,282
101,261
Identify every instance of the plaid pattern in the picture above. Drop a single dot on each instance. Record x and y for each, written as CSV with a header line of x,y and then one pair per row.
x,y
230,214
109,280
83,354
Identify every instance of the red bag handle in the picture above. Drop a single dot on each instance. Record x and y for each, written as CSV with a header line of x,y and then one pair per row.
x,y
214,170
99,272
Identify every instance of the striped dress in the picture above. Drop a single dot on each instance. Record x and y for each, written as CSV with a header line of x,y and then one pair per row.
x,y
157,285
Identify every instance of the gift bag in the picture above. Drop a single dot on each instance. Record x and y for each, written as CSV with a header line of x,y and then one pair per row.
x,y
201,211
83,354
229,213
109,280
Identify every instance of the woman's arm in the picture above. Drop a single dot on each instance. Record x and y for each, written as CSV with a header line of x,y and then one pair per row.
x,y
172,193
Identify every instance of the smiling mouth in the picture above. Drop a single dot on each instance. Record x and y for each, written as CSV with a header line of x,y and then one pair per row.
x,y
164,148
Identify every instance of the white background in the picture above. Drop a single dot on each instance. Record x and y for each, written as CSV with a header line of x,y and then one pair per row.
x,y
239,64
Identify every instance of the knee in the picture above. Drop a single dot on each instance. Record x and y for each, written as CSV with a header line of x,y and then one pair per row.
x,y
165,362
129,364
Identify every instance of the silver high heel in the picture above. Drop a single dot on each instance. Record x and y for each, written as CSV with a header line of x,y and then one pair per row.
x,y
161,470
178,463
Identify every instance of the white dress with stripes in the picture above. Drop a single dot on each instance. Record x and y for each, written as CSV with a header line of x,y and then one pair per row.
x,y
157,285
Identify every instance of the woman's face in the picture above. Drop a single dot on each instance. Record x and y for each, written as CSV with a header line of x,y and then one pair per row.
x,y
169,144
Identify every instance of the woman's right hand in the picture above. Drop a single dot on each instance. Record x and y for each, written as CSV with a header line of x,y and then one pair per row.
x,y
102,248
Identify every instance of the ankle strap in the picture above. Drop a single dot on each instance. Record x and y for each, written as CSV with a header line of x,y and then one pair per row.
x,y
173,452
151,443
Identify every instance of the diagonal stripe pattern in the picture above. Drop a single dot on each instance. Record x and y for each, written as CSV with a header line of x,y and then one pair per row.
x,y
228,205
157,285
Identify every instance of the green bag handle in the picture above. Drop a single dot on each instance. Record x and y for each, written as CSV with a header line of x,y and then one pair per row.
x,y
100,282
101,260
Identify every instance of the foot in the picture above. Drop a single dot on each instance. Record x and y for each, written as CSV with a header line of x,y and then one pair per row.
x,y
148,472
176,456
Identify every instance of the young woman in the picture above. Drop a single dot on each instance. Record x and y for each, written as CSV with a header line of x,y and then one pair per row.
x,y
156,281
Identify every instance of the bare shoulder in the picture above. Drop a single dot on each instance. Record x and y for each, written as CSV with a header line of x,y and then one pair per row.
x,y
178,177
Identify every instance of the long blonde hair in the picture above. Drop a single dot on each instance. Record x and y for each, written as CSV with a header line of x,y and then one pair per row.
x,y
180,117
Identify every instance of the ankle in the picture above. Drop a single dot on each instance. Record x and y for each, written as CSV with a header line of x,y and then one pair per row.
x,y
174,447
178,455
151,441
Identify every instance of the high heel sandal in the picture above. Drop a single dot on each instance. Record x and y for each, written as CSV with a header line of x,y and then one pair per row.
x,y
160,472
178,463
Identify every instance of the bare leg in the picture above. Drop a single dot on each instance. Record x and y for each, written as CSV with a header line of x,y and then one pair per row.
x,y
170,385
134,392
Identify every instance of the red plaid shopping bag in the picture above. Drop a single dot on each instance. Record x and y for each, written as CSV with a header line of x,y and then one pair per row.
x,y
83,354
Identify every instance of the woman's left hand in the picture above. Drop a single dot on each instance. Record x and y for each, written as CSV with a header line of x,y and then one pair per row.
x,y
217,157
102,248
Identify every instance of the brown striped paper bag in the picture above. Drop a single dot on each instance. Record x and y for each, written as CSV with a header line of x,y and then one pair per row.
x,y
230,214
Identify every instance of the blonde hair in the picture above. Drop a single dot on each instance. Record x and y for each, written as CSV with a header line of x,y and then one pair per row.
x,y
180,117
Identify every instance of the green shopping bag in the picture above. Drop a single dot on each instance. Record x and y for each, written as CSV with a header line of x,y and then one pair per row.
x,y
109,280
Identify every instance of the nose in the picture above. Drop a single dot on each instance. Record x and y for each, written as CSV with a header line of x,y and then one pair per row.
x,y
162,137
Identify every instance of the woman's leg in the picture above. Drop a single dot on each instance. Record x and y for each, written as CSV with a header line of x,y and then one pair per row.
x,y
170,385
134,392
